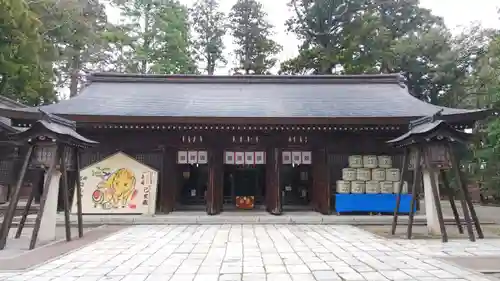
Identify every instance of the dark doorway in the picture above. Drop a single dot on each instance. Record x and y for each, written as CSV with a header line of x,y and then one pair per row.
x,y
193,187
243,181
296,186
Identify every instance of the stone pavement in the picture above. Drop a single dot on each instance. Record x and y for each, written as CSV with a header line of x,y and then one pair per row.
x,y
257,252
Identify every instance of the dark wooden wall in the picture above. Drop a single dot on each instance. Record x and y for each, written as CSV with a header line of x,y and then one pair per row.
x,y
158,149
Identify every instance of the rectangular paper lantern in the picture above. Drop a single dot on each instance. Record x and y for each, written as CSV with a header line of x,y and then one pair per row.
x,y
202,157
229,157
260,157
249,158
286,157
239,158
182,157
306,157
192,157
296,157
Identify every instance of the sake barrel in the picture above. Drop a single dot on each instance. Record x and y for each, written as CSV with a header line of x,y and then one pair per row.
x,y
343,187
363,174
370,161
384,161
358,187
392,174
405,187
356,161
386,187
349,174
372,187
378,174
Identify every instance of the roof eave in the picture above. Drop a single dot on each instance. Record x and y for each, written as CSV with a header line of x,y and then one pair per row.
x,y
466,117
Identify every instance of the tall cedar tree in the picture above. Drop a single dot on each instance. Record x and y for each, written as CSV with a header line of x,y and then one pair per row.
x,y
156,37
210,27
74,28
23,75
255,50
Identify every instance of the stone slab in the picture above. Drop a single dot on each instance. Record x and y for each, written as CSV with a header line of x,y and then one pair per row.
x,y
22,260
481,264
184,218
252,252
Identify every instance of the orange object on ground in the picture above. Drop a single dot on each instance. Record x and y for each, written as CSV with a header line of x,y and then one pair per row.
x,y
245,202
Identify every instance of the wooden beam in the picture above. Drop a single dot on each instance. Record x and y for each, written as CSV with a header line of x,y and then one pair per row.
x,y
9,215
65,191
78,193
451,196
434,187
404,169
48,179
414,190
462,189
28,206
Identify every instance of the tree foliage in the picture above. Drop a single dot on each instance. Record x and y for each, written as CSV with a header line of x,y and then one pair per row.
x,y
370,36
75,29
486,82
252,33
155,38
210,27
23,74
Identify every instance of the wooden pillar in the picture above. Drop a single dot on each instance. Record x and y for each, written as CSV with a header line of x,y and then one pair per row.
x,y
169,180
211,196
321,181
273,190
215,182
13,201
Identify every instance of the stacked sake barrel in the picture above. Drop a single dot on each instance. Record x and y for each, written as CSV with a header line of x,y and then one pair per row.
x,y
370,174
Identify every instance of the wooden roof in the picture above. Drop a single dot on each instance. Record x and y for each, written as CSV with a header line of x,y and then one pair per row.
x,y
5,123
242,99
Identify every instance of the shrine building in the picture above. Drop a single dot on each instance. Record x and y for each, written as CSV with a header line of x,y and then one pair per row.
x,y
218,143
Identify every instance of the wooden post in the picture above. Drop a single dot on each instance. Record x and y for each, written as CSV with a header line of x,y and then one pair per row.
x,y
277,185
9,215
414,192
406,158
463,191
28,206
451,197
434,187
219,179
212,184
65,191
321,183
170,179
475,219
273,187
76,157
46,185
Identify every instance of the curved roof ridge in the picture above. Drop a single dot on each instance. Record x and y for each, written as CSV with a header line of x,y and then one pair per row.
x,y
447,110
112,77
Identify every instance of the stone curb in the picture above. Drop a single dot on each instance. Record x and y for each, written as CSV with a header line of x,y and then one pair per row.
x,y
198,220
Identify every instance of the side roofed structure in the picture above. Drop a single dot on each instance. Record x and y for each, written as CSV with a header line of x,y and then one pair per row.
x,y
223,142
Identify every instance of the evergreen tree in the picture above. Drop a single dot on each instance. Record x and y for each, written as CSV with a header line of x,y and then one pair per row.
x,y
255,49
24,76
156,37
209,26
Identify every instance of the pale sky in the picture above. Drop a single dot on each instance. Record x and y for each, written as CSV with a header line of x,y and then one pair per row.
x,y
456,13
